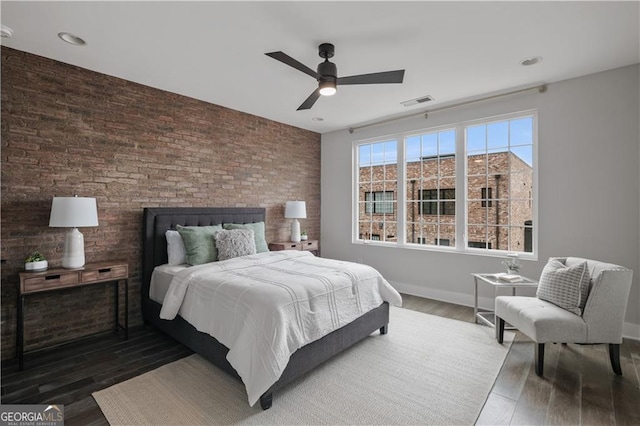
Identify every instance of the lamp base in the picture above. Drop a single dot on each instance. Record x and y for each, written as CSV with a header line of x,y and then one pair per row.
x,y
295,231
73,250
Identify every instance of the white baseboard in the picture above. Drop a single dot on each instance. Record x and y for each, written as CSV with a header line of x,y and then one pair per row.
x,y
629,330
442,295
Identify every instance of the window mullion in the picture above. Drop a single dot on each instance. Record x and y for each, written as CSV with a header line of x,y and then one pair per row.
x,y
461,195
401,198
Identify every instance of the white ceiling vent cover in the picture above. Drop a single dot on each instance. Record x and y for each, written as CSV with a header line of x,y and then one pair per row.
x,y
417,101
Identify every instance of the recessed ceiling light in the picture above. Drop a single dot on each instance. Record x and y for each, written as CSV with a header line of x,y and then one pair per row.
x,y
6,32
531,61
317,118
72,39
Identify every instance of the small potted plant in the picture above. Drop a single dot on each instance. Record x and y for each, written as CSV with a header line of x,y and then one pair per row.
x,y
303,236
36,262
512,264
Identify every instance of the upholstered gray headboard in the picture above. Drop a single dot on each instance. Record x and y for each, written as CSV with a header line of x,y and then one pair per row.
x,y
157,220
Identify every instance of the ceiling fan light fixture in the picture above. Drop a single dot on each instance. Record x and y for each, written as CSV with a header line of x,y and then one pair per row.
x,y
327,88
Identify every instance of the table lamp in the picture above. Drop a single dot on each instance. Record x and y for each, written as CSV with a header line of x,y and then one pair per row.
x,y
73,212
295,210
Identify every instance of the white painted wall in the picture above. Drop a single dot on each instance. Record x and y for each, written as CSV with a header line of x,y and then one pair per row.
x,y
589,196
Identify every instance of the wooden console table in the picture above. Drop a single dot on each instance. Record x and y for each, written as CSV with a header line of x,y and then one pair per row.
x,y
60,279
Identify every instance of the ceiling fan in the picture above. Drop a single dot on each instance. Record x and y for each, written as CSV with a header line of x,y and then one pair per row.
x,y
327,74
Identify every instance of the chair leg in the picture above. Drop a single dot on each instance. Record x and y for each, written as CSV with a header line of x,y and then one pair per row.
x,y
614,356
499,329
539,359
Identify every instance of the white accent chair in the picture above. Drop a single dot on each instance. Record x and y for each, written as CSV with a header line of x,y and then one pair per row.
x,y
601,321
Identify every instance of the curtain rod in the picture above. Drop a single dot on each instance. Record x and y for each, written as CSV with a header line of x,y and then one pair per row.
x,y
540,89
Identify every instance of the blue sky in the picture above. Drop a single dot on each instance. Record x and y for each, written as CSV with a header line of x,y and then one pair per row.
x,y
515,135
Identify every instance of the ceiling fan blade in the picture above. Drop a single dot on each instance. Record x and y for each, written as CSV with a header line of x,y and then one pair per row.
x,y
286,59
310,100
374,78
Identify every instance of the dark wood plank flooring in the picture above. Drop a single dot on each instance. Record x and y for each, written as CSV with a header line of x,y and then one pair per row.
x,y
70,373
579,387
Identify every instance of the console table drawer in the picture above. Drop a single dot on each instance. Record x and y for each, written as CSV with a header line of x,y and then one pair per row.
x,y
286,246
49,281
309,245
107,273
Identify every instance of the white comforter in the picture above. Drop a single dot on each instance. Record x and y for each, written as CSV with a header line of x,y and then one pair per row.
x,y
266,306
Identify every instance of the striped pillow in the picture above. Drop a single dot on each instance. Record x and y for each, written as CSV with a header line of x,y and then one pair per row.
x,y
565,286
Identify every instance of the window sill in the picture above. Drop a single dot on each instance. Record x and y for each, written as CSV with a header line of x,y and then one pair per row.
x,y
444,249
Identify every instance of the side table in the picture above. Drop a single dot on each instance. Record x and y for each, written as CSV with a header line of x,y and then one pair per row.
x,y
487,316
59,279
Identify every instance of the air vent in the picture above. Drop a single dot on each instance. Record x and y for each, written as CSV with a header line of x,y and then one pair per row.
x,y
417,101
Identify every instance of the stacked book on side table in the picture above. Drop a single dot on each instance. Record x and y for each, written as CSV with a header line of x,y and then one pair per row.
x,y
508,278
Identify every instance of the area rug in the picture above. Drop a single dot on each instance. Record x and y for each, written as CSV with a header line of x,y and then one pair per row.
x,y
426,370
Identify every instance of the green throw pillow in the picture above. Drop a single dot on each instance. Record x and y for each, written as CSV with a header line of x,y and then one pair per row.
x,y
258,231
199,243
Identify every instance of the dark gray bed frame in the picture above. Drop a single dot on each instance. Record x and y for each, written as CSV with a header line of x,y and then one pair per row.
x,y
158,220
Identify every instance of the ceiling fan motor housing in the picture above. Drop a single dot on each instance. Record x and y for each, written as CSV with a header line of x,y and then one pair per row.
x,y
328,71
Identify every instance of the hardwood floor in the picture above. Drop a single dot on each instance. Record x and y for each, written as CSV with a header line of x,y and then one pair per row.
x,y
69,374
579,387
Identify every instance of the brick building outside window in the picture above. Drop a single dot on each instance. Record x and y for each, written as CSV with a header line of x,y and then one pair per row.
x,y
499,211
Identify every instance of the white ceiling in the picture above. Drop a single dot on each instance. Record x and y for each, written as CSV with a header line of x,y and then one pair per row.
x,y
214,51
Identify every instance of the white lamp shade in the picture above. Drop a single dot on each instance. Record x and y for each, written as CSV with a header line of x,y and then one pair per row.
x,y
73,212
295,210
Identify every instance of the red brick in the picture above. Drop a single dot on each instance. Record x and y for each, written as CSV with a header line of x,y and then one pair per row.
x,y
67,130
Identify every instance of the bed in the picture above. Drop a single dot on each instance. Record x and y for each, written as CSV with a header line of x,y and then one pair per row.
x,y
156,221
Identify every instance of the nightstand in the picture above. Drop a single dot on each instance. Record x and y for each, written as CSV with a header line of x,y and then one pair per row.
x,y
60,279
309,245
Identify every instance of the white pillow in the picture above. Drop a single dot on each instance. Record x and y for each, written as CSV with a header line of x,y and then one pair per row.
x,y
175,248
565,286
235,243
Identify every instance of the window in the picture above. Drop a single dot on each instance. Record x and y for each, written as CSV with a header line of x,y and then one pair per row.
x,y
500,158
377,188
479,244
430,168
431,207
466,187
486,197
379,202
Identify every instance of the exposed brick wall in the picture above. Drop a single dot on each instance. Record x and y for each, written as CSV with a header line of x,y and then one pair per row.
x,y
67,130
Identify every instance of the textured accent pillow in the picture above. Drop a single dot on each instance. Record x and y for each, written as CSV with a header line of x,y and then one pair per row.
x,y
198,243
175,248
235,243
565,286
258,230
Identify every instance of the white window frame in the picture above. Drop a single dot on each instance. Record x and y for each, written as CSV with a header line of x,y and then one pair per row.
x,y
461,182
